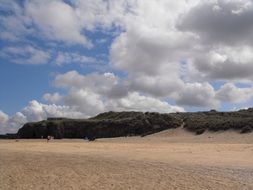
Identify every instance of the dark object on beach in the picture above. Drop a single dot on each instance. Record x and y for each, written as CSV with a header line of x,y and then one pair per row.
x,y
91,138
200,131
246,129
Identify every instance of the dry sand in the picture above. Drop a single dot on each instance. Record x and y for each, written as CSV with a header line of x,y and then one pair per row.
x,y
172,159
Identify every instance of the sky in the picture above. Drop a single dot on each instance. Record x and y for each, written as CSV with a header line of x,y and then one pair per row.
x,y
78,58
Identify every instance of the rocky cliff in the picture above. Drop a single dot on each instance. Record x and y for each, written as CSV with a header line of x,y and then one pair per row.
x,y
110,124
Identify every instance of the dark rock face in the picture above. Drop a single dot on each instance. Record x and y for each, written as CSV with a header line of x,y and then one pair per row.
x,y
8,136
110,124
118,124
3,137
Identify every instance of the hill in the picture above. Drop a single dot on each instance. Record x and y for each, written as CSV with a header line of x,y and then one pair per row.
x,y
110,124
116,124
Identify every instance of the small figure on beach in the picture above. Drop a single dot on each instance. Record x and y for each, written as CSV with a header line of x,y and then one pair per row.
x,y
48,138
90,138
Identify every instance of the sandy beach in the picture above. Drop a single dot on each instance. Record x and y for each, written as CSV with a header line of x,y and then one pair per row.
x,y
172,159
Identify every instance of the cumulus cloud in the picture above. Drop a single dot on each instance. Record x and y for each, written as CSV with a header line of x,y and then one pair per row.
x,y
147,51
150,50
16,121
222,21
10,124
36,111
3,119
85,101
224,63
57,20
67,21
53,98
94,93
135,101
224,32
151,44
99,83
231,93
157,86
197,94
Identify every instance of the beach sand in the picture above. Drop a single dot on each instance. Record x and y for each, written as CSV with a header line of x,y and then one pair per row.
x,y
168,160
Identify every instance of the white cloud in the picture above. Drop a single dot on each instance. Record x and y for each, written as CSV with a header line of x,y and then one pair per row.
x,y
3,117
70,58
85,101
197,94
99,83
57,20
12,123
67,21
26,55
230,25
36,111
52,98
14,25
157,86
16,121
136,102
224,63
95,93
231,93
149,51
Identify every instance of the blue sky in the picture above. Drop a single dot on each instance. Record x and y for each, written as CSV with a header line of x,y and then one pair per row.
x,y
78,58
23,82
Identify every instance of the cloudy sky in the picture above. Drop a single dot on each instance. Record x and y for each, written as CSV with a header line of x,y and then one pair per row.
x,y
77,58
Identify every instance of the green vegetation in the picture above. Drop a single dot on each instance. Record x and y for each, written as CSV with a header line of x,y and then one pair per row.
x,y
116,124
218,121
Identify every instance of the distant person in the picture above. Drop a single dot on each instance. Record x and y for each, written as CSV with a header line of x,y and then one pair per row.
x,y
48,138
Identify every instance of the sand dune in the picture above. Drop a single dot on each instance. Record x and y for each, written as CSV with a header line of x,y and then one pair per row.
x,y
182,135
172,159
